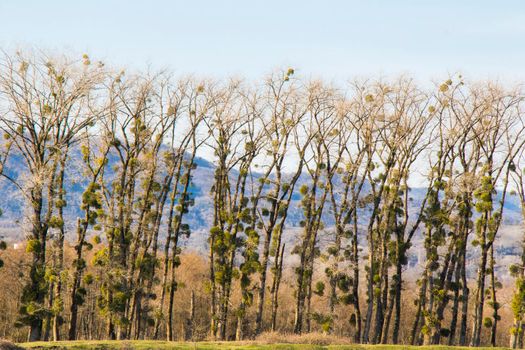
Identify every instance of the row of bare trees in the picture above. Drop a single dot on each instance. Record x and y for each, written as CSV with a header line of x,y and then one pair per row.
x,y
346,160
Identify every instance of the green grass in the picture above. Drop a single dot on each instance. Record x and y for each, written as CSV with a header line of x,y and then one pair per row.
x,y
162,345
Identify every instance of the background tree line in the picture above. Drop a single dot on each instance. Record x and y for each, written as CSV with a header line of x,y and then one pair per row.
x,y
131,142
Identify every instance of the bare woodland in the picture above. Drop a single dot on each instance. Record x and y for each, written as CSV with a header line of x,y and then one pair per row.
x,y
352,153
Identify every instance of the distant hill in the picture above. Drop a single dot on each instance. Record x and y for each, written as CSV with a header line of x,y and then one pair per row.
x,y
200,215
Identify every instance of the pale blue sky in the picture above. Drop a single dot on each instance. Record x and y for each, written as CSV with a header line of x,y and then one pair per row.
x,y
333,39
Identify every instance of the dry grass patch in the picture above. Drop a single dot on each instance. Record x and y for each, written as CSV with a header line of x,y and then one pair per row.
x,y
307,338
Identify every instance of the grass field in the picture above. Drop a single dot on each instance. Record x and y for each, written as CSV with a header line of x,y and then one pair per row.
x,y
145,345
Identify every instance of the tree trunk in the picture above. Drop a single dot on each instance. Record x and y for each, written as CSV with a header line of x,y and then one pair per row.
x,y
79,267
370,285
262,287
276,285
172,288
421,305
464,301
190,321
301,292
355,282
381,299
495,306
264,263
36,274
514,336
169,324
239,332
47,323
35,331
480,299
397,313
455,305
379,319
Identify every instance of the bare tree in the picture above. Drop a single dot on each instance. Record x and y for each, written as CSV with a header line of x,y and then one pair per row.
x,y
46,113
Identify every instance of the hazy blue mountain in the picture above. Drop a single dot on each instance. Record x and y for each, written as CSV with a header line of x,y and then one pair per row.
x,y
200,215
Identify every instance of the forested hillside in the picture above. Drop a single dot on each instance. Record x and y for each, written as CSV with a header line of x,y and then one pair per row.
x,y
148,206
